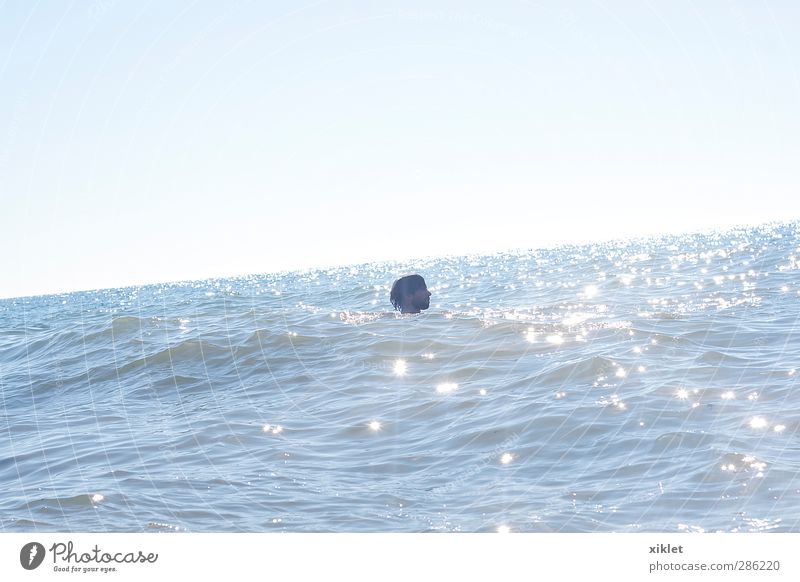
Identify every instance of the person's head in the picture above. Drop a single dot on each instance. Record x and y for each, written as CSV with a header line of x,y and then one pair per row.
x,y
410,294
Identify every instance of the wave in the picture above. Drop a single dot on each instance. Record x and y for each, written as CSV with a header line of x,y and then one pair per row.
x,y
629,386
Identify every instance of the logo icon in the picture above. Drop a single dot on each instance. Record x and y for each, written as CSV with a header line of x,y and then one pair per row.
x,y
31,555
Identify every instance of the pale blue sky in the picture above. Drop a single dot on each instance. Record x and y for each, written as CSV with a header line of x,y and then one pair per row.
x,y
152,141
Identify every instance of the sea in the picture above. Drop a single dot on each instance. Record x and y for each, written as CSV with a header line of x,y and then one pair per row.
x,y
642,385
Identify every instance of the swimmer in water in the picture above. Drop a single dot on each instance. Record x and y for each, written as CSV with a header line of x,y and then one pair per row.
x,y
410,294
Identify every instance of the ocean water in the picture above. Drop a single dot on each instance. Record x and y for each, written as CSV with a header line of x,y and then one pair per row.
x,y
643,385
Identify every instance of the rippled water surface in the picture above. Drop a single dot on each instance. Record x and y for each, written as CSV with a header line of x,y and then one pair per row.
x,y
630,386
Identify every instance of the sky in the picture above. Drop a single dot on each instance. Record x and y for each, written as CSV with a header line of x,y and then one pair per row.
x,y
145,142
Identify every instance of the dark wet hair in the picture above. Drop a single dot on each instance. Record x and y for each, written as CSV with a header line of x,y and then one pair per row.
x,y
405,285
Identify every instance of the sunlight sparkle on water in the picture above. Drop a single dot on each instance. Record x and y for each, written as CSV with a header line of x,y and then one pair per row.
x,y
503,529
729,395
758,422
97,498
506,458
375,425
590,291
682,393
446,387
779,428
400,368
555,339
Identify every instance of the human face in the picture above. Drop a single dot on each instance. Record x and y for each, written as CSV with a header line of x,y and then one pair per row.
x,y
421,299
